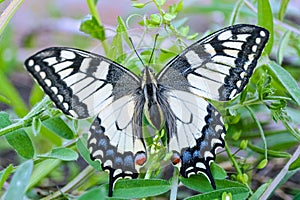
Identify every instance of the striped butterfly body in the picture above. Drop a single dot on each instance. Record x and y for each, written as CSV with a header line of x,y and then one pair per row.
x,y
83,84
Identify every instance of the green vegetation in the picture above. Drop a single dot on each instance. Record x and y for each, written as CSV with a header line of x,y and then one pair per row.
x,y
262,122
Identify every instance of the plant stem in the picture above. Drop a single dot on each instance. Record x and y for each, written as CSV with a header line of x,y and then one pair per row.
x,y
277,181
27,120
260,130
95,14
174,186
236,11
73,184
167,23
235,164
8,13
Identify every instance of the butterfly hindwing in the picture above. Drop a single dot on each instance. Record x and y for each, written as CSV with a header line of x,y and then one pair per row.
x,y
195,131
115,141
82,84
218,66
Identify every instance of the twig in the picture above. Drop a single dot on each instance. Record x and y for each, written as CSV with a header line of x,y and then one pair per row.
x,y
280,176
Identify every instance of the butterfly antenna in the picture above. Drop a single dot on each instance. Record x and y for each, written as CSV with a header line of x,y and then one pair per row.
x,y
155,40
136,51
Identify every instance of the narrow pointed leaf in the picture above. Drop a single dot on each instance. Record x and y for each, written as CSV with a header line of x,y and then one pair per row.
x,y
59,127
287,81
4,174
64,154
19,182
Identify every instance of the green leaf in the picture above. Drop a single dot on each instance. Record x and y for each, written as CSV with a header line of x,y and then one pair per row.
x,y
116,52
155,19
295,165
43,169
184,30
236,193
18,139
179,6
89,25
59,127
139,188
129,189
4,120
287,81
161,2
169,16
84,152
4,100
121,26
236,11
36,95
138,5
262,164
282,46
192,36
243,144
201,184
36,125
259,191
283,6
15,100
4,174
217,171
62,154
19,182
272,153
94,194
21,142
265,19
175,8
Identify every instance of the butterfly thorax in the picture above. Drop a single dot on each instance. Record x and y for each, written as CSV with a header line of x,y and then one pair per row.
x,y
152,109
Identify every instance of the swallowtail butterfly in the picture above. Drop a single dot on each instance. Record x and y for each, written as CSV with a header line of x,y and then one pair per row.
x,y
83,84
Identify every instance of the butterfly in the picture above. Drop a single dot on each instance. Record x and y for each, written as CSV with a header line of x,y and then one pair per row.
x,y
83,84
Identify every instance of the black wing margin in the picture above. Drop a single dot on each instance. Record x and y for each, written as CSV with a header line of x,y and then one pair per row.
x,y
195,132
83,84
218,66
80,83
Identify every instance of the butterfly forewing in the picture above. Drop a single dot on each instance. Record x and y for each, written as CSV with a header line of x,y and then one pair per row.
x,y
218,66
83,84
78,82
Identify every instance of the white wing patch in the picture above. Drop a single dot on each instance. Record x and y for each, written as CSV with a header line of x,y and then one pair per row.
x,y
83,84
213,66
188,110
193,59
80,83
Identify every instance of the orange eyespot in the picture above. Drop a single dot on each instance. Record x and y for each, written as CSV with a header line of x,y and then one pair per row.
x,y
175,159
140,159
